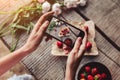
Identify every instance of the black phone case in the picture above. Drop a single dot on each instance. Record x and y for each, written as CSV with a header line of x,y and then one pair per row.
x,y
55,27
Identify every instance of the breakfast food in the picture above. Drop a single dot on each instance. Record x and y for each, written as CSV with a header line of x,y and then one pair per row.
x,y
91,48
88,46
64,32
59,44
92,73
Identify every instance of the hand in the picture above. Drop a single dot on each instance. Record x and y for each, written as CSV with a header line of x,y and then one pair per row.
x,y
37,33
75,57
77,52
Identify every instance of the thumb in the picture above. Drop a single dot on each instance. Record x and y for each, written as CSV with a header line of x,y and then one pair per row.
x,y
77,45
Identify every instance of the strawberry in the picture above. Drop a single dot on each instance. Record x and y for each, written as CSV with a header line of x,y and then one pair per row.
x,y
94,71
67,49
48,38
103,75
87,69
97,77
90,77
59,44
68,41
82,75
86,28
88,45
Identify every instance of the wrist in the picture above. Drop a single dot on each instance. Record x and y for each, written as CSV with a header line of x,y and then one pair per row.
x,y
70,73
24,50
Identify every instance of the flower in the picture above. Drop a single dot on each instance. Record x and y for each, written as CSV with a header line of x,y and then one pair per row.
x,y
57,9
46,7
71,3
82,2
56,5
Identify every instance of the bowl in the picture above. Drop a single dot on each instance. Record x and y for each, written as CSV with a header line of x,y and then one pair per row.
x,y
100,70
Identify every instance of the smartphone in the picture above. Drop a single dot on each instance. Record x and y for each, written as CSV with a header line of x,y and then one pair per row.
x,y
63,31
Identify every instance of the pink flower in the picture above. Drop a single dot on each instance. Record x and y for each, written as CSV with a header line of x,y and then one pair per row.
x,y
46,7
41,1
57,9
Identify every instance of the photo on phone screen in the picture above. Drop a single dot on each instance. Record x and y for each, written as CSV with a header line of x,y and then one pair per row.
x,y
63,31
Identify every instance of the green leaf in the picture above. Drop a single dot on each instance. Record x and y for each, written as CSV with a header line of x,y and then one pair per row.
x,y
20,19
85,74
27,15
39,6
21,27
17,14
30,27
52,25
14,45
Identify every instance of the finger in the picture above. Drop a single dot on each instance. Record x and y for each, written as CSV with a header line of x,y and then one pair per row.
x,y
85,37
84,41
43,28
41,20
77,45
46,15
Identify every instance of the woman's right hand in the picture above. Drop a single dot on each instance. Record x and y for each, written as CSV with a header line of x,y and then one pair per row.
x,y
75,57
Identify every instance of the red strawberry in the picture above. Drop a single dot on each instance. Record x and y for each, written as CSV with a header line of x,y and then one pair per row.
x,y
48,38
88,45
82,75
87,69
67,49
94,71
68,41
90,77
86,28
59,44
97,77
103,75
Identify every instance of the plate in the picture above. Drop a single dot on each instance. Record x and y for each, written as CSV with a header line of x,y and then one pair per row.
x,y
91,38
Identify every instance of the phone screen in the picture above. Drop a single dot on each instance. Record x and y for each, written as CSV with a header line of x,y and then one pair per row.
x,y
63,31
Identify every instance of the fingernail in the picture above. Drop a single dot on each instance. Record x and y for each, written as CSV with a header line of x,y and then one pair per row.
x,y
46,22
79,38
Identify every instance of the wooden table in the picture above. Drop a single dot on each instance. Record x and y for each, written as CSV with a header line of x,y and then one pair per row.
x,y
106,15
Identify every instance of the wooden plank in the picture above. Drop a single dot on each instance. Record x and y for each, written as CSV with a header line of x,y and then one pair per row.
x,y
117,2
105,13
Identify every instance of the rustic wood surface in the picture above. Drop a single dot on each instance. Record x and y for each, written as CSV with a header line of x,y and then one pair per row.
x,y
45,66
106,15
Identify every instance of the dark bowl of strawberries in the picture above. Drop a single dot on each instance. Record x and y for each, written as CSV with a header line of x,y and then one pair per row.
x,y
94,71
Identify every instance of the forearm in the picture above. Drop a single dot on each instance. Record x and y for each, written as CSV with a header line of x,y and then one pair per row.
x,y
11,59
72,68
70,73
